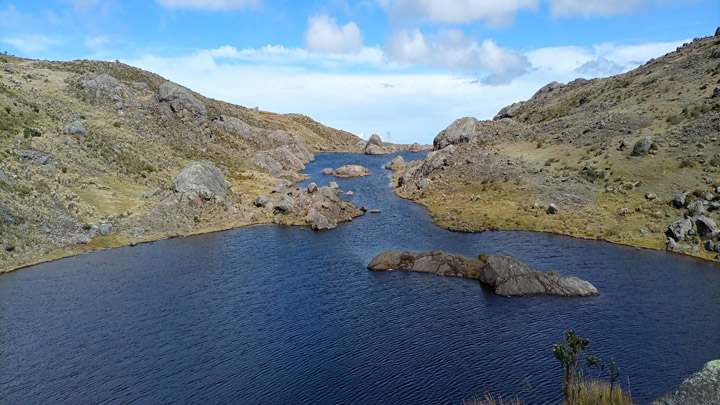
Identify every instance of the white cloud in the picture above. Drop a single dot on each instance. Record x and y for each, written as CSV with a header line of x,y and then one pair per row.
x,y
371,96
324,35
493,12
32,43
597,7
209,4
455,50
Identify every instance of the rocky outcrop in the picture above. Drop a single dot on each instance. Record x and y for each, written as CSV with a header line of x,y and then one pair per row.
x,y
75,128
234,126
201,178
702,387
375,146
351,171
679,229
427,262
508,111
506,275
179,98
462,130
396,163
642,147
509,276
706,227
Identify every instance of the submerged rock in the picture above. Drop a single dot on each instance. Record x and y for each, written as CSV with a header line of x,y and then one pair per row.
x,y
507,275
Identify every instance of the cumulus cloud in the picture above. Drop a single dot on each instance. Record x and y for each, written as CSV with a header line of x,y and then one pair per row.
x,y
324,35
597,7
455,50
391,97
208,4
493,12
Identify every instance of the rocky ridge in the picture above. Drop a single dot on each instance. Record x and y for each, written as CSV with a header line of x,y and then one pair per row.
x,y
506,275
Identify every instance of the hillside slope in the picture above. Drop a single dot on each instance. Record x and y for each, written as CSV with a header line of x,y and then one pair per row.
x,y
610,155
89,152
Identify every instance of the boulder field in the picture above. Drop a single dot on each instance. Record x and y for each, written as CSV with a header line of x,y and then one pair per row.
x,y
506,275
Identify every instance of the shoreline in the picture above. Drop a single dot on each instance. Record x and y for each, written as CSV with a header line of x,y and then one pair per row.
x,y
707,257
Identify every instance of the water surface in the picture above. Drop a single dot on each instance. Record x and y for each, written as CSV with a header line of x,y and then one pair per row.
x,y
275,314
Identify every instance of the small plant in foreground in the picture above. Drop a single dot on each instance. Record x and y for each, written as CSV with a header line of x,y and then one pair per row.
x,y
577,388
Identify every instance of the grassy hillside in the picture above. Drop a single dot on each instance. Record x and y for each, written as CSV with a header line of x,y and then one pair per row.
x,y
572,146
87,143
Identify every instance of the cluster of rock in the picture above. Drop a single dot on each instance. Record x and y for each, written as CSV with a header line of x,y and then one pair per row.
x,y
506,275
320,207
696,224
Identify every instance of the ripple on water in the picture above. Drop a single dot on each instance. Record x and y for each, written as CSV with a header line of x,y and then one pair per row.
x,y
273,314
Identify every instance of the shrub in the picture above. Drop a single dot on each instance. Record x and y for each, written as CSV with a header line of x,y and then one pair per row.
x,y
30,132
116,124
673,119
552,273
577,389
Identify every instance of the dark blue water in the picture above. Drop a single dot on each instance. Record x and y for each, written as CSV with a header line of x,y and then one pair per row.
x,y
272,314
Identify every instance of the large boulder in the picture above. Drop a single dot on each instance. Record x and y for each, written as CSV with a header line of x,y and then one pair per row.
x,y
375,146
706,227
234,126
351,171
679,229
462,130
75,128
509,276
201,178
319,221
696,208
396,163
284,204
702,387
680,199
642,147
179,98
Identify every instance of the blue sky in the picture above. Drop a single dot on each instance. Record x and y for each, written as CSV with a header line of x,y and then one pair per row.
x,y
404,69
